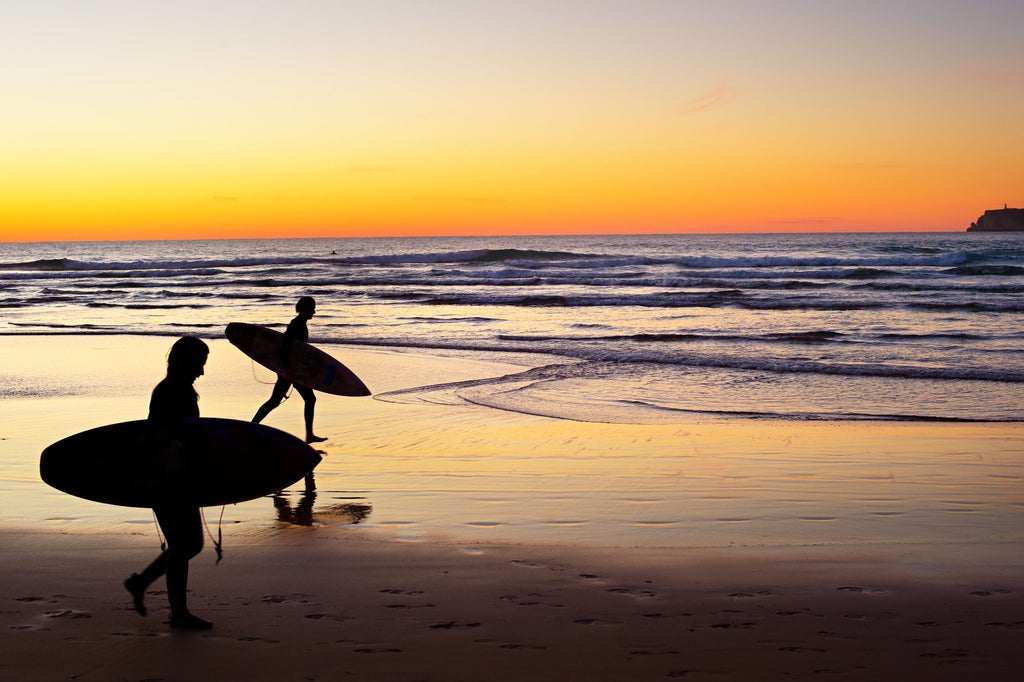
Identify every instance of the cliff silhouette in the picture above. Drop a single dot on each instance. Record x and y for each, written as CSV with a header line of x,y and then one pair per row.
x,y
1000,220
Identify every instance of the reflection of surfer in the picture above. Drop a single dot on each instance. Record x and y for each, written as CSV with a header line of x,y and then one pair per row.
x,y
302,513
175,399
297,331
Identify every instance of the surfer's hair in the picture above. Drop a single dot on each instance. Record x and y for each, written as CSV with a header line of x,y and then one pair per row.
x,y
188,350
305,304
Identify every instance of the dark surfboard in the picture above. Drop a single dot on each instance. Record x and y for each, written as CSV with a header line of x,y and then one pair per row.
x,y
306,364
205,462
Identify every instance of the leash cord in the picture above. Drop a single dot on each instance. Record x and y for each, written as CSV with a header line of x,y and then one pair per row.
x,y
159,535
218,544
252,364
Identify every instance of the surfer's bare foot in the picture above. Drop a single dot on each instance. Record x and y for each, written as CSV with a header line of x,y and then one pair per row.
x,y
310,438
190,621
138,591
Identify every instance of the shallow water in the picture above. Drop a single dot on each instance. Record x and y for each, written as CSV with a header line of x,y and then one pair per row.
x,y
443,467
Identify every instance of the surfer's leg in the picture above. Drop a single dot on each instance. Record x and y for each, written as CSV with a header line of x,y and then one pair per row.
x,y
309,398
280,391
136,585
183,528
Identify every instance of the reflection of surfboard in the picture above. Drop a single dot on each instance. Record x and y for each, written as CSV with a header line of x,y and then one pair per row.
x,y
206,462
306,366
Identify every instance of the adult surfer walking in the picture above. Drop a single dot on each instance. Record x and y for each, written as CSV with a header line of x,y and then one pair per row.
x,y
173,401
297,331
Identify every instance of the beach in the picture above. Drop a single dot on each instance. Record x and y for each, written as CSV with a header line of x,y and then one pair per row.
x,y
313,605
446,540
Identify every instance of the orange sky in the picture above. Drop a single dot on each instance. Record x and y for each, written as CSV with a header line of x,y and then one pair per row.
x,y
237,119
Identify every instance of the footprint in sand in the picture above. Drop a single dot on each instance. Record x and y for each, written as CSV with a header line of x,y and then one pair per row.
x,y
534,564
396,590
518,646
525,563
633,592
861,590
326,616
285,599
532,599
67,613
453,625
26,628
751,595
597,621
1018,625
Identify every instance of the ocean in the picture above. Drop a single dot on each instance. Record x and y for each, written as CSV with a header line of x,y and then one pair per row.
x,y
641,391
619,329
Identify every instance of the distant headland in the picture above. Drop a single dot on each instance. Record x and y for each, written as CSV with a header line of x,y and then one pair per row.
x,y
1000,220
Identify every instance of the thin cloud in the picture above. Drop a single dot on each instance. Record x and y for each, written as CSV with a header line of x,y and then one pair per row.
x,y
712,99
221,199
1010,77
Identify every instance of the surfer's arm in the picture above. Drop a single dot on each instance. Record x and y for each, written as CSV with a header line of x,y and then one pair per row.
x,y
294,332
286,345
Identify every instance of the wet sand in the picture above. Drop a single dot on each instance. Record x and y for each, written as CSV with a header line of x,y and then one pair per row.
x,y
498,546
320,605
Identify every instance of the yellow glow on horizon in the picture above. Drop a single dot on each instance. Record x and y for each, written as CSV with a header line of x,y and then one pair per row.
x,y
587,190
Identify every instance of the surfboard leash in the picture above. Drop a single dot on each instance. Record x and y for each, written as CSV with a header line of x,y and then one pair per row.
x,y
287,395
252,365
218,544
159,535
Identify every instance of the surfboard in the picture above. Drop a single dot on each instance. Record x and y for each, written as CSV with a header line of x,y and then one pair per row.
x,y
306,364
206,462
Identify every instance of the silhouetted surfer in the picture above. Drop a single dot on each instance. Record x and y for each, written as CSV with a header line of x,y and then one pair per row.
x,y
297,331
174,400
